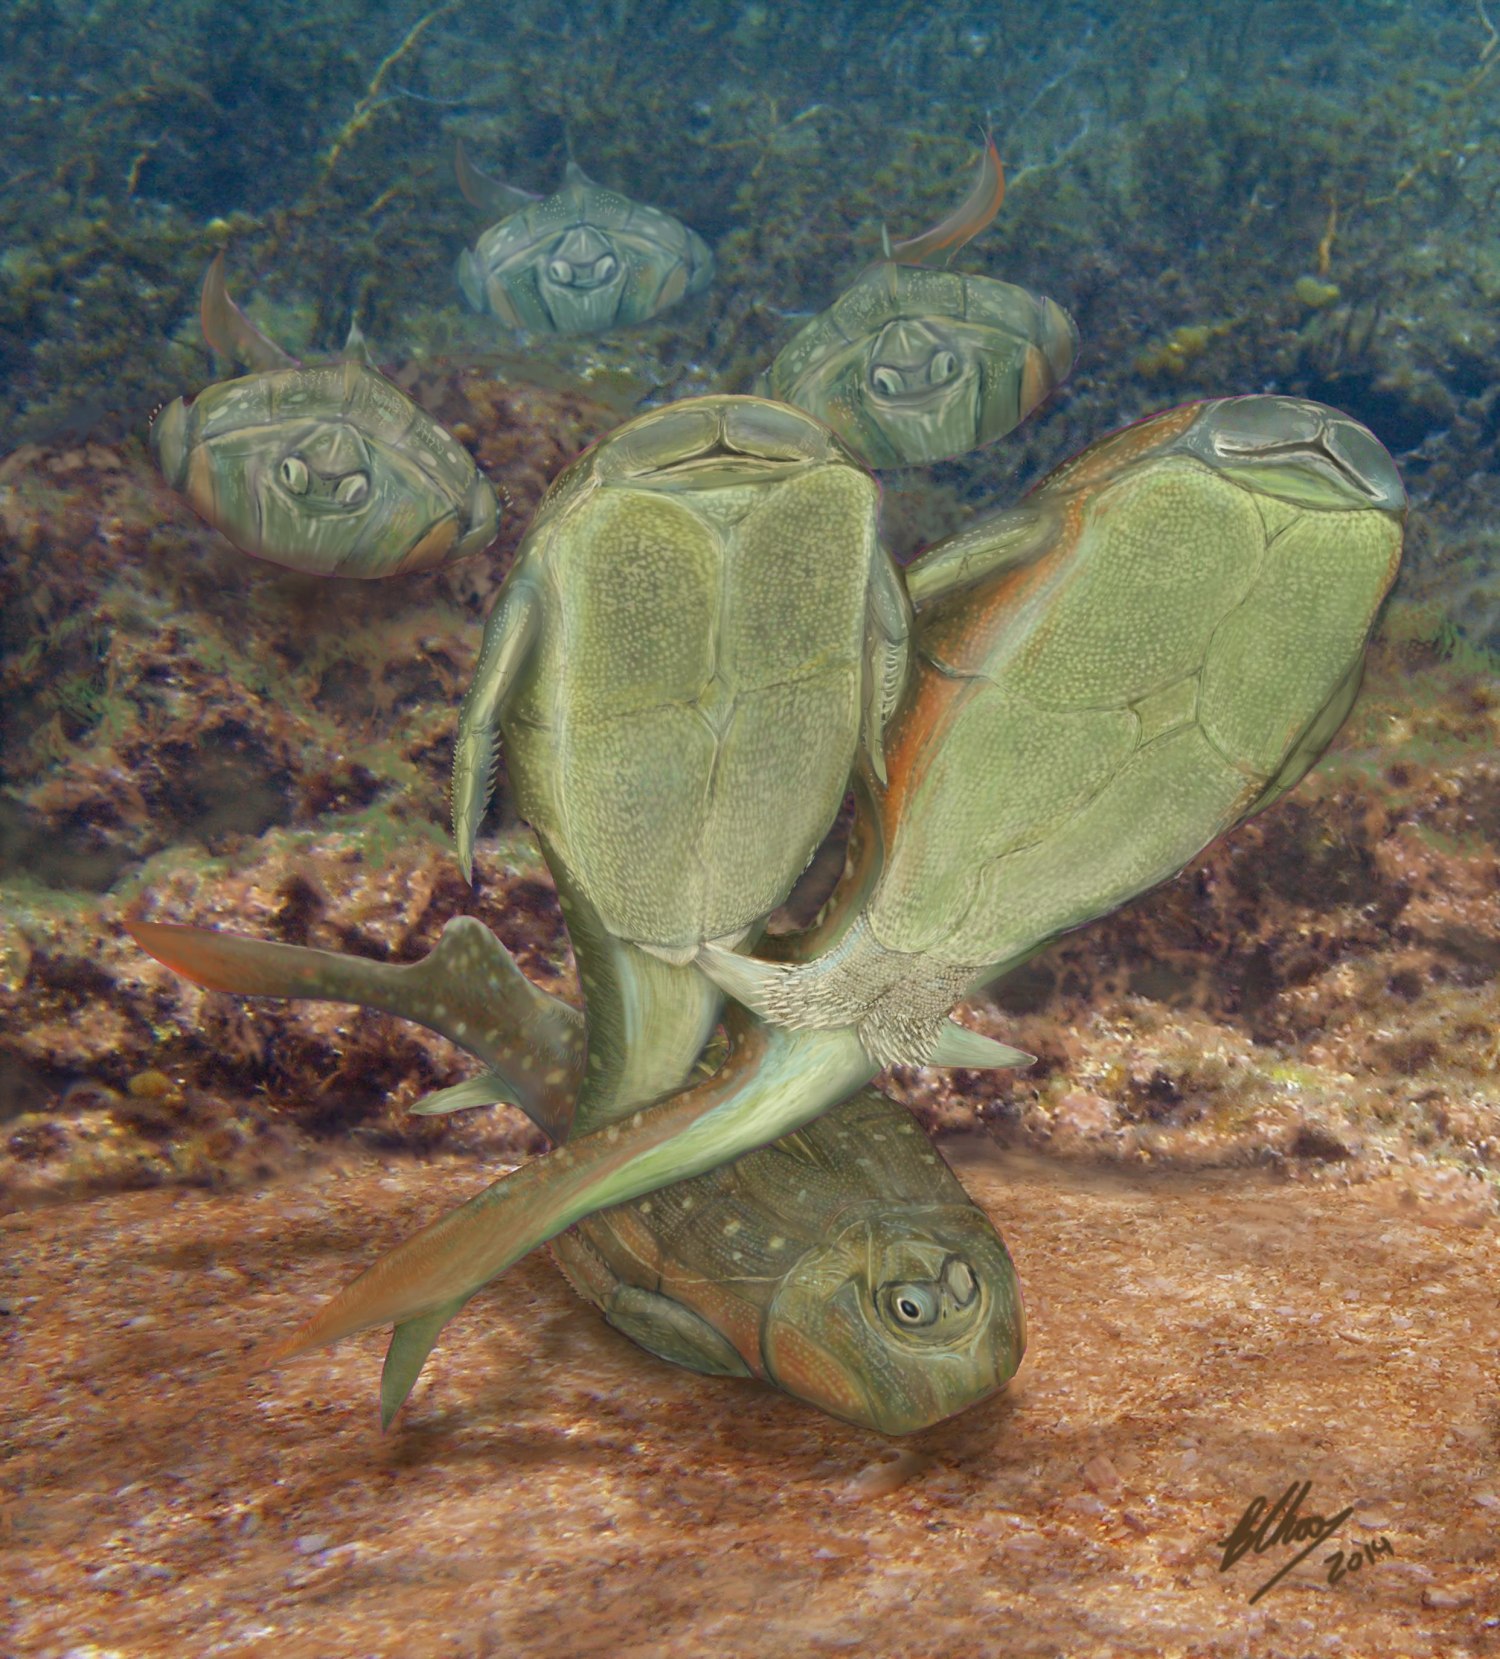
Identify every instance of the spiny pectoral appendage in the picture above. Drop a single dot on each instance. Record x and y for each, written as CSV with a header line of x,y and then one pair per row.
x,y
509,636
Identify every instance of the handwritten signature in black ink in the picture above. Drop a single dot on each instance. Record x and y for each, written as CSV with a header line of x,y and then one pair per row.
x,y
1266,1525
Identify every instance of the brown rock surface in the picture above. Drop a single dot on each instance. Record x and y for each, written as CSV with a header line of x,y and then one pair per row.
x,y
1197,1341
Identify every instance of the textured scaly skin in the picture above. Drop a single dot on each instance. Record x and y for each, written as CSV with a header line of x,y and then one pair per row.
x,y
329,469
1329,507
793,1264
582,261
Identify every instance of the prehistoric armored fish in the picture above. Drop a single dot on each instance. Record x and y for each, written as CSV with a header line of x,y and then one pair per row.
x,y
912,365
1156,643
843,1264
700,624
580,262
701,597
330,469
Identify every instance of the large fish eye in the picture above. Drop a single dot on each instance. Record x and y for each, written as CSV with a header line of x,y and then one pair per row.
x,y
605,268
911,1305
352,489
943,367
886,381
560,271
293,474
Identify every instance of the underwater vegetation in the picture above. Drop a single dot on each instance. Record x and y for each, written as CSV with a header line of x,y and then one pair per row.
x,y
1216,205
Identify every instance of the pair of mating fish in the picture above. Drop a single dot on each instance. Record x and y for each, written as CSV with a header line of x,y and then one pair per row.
x,y
310,501
333,469
701,636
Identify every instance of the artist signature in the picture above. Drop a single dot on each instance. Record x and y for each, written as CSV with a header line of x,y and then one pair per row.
x,y
1266,1525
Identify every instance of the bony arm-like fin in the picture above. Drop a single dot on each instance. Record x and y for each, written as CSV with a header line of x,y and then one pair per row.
x,y
986,547
772,1082
959,1046
745,978
508,637
411,1342
887,657
230,332
490,195
468,988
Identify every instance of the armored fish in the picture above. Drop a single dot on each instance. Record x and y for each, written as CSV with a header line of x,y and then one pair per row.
x,y
705,585
329,469
912,365
1156,643
579,262
700,628
843,1264
700,624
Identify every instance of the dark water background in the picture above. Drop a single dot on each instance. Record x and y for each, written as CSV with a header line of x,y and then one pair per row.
x,y
1172,167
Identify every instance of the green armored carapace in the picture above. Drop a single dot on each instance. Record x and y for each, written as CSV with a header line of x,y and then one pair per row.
x,y
912,365
1156,643
579,262
702,598
845,1263
329,469
700,622
1175,632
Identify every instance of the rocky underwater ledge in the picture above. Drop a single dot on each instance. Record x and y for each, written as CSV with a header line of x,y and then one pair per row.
x,y
261,750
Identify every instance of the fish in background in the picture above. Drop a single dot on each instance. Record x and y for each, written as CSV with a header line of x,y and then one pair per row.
x,y
326,468
912,364
582,261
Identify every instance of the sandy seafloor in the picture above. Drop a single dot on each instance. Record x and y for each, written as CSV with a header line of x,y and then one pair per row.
x,y
1195,1343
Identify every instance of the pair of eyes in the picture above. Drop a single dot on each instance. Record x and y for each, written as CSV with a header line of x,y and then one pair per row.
x,y
564,272
941,368
912,1306
350,490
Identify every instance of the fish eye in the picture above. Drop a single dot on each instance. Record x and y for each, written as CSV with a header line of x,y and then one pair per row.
x,y
605,268
293,473
886,381
943,366
352,489
912,1305
961,1284
560,271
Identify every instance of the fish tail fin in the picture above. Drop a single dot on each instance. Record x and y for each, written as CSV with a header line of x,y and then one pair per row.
x,y
481,191
966,221
468,988
771,1083
411,1342
230,332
